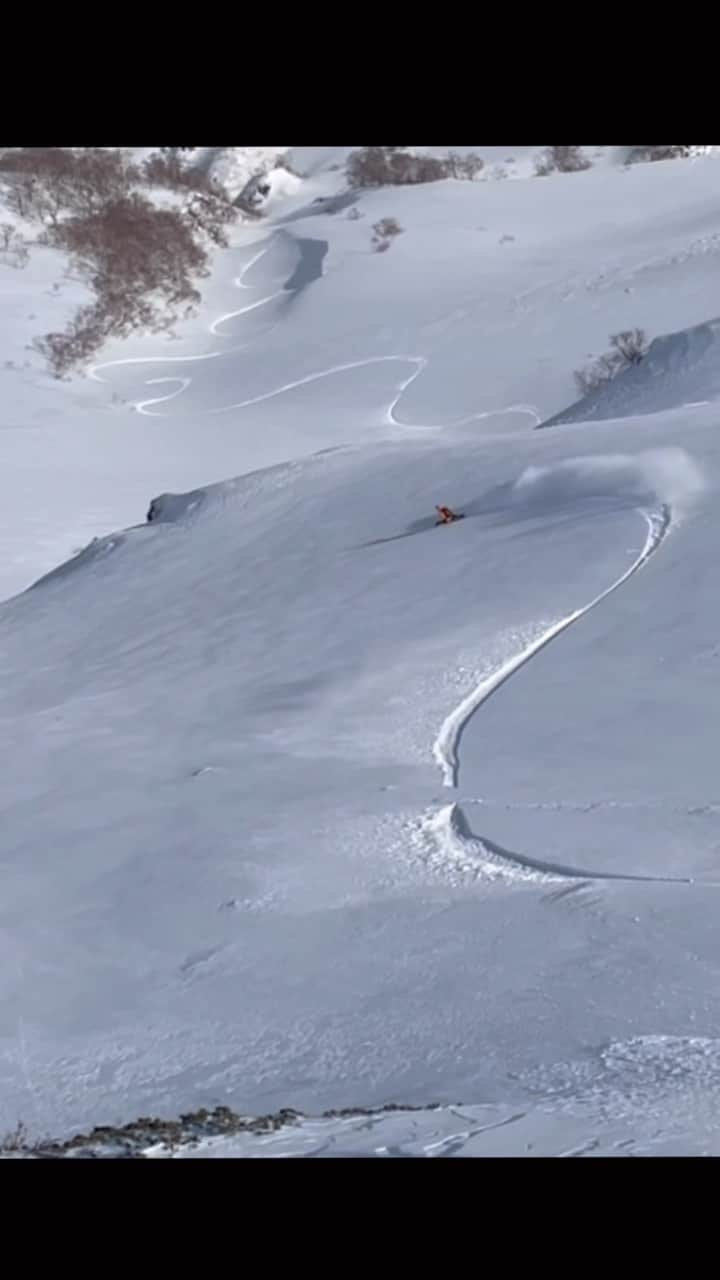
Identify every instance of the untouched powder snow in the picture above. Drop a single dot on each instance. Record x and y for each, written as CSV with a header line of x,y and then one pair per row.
x,y
310,804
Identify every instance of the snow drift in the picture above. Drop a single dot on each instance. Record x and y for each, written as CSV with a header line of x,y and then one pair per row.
x,y
679,369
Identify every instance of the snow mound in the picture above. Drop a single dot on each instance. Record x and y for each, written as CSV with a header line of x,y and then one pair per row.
x,y
680,369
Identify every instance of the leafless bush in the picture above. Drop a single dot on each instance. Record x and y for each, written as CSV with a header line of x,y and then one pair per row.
x,y
209,214
627,348
139,259
464,167
43,183
631,345
284,162
16,1140
130,244
561,160
393,167
13,250
83,336
208,208
384,233
166,169
638,154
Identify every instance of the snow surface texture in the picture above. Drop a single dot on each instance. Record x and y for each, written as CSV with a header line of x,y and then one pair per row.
x,y
310,804
653,1095
493,295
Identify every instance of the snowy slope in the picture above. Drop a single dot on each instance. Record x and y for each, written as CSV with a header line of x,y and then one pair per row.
x,y
217,790
646,1097
309,804
493,295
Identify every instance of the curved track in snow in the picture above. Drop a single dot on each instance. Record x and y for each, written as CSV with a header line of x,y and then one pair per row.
x,y
143,406
239,283
449,828
447,743
418,363
457,845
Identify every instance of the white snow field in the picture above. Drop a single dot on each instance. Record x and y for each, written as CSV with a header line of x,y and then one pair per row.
x,y
307,803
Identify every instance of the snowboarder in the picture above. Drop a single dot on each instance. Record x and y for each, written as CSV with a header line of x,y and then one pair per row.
x,y
446,515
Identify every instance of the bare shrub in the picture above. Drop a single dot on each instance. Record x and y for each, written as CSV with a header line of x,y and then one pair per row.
x,y
631,345
13,249
83,336
384,233
393,167
283,162
464,167
638,154
130,244
16,1140
42,183
208,208
166,169
139,259
210,215
594,375
561,160
627,348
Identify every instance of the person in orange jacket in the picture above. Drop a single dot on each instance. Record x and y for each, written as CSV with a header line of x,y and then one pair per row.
x,y
446,515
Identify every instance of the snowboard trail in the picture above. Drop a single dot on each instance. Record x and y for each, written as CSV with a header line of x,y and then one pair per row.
x,y
447,744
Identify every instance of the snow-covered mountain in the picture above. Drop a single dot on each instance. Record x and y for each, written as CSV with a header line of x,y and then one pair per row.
x,y
310,804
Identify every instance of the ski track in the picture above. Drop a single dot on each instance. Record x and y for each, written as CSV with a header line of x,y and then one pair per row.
x,y
239,283
391,419
142,406
420,363
153,382
252,306
449,843
447,743
449,827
